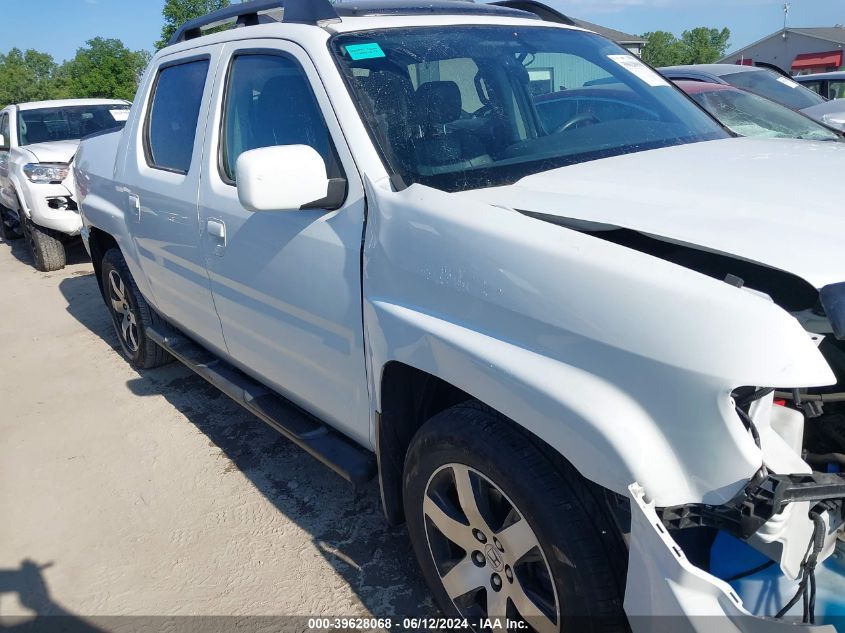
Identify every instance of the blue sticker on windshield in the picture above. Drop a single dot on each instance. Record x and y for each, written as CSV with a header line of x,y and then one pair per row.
x,y
371,50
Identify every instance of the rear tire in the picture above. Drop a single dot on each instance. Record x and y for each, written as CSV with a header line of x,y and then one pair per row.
x,y
502,526
130,313
47,249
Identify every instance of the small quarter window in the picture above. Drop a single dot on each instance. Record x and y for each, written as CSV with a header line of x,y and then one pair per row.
x,y
173,115
269,102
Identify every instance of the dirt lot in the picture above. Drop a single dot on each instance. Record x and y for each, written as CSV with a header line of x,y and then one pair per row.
x,y
126,493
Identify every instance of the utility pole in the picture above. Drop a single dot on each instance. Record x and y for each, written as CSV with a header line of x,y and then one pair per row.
x,y
786,7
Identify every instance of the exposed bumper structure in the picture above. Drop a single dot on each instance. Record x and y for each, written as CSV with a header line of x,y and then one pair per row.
x,y
666,592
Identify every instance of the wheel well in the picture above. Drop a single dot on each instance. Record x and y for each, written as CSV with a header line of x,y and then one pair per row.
x,y
19,198
409,398
100,243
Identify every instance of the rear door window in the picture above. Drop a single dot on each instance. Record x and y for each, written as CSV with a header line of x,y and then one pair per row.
x,y
173,115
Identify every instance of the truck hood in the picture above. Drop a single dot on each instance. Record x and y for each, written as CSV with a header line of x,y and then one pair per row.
x,y
762,200
53,151
830,113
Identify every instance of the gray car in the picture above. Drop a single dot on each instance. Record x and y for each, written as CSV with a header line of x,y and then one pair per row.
x,y
766,83
829,85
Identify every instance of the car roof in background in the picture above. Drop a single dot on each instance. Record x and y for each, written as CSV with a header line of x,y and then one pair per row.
x,y
60,103
697,87
714,69
836,74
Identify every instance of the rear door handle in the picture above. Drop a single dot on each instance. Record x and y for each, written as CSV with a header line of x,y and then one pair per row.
x,y
135,204
216,230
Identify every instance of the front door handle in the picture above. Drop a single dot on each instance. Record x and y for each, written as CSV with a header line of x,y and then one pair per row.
x,y
216,230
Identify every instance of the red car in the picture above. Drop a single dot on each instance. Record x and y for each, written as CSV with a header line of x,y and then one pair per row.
x,y
748,114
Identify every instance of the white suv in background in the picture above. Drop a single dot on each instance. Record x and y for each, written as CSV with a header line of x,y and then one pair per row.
x,y
37,143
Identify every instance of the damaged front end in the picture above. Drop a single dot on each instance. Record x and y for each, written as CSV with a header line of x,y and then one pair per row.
x,y
670,591
774,555
824,407
832,302
634,369
770,557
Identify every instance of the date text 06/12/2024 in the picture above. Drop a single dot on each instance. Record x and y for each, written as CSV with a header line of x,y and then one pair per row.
x,y
422,624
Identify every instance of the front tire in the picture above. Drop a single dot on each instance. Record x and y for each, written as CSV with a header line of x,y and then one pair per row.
x,y
47,249
130,313
504,528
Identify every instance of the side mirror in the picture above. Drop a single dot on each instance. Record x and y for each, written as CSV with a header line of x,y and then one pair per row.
x,y
3,144
281,178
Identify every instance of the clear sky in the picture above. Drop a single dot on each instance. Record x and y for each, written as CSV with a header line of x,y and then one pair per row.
x,y
59,27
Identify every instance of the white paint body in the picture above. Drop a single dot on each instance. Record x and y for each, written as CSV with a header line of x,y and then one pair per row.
x,y
17,192
622,362
725,196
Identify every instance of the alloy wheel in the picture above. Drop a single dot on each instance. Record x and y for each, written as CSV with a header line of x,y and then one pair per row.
x,y
126,322
488,557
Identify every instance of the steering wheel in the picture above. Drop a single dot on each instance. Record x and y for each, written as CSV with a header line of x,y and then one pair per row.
x,y
484,112
584,117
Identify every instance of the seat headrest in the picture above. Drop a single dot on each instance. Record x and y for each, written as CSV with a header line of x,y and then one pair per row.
x,y
285,113
37,132
438,102
286,93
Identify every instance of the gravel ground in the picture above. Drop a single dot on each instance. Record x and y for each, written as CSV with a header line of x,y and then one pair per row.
x,y
127,493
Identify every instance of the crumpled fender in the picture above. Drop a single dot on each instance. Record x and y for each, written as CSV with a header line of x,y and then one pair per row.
x,y
622,362
17,158
24,204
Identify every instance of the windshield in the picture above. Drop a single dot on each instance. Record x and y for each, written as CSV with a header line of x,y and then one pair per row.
x,y
69,122
750,115
467,107
775,87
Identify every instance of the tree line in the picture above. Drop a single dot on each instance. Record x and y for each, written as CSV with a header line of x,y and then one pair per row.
x,y
106,68
701,45
103,68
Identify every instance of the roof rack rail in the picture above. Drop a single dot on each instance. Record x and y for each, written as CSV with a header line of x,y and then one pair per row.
x,y
541,10
247,14
357,8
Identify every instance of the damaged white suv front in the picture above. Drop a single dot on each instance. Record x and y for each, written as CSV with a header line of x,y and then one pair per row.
x,y
37,143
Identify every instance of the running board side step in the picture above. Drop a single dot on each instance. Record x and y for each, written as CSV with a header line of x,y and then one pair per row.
x,y
348,459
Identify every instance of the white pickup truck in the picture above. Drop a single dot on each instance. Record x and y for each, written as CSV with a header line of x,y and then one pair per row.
x,y
37,143
579,350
